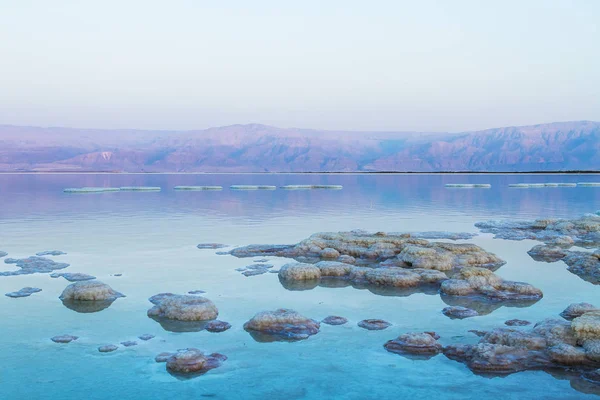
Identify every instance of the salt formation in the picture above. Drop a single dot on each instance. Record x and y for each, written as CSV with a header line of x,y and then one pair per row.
x,y
281,324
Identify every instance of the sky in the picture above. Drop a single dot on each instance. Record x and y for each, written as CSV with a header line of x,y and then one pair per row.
x,y
353,65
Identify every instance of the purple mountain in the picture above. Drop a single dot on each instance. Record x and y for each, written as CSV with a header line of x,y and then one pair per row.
x,y
261,148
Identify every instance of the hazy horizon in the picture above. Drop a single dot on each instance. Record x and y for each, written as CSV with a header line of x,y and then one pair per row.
x,y
430,66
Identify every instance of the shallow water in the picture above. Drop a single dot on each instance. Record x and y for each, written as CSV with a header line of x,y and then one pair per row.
x,y
151,238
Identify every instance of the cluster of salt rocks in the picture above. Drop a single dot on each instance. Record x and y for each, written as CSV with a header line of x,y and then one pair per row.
x,y
558,236
32,265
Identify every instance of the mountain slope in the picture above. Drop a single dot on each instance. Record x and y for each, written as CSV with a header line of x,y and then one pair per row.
x,y
261,148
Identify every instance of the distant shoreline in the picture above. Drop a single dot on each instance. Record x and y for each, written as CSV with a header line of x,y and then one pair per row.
x,y
304,173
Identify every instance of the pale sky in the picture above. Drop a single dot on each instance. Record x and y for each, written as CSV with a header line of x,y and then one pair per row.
x,y
362,65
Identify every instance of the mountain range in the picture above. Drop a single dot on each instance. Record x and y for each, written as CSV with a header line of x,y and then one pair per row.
x,y
555,146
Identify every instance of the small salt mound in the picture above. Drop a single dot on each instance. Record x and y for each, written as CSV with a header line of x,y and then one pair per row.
x,y
518,185
198,188
252,187
550,184
468,185
91,190
140,189
589,184
565,184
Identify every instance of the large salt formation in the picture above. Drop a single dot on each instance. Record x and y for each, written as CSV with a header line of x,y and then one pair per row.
x,y
394,264
550,345
558,236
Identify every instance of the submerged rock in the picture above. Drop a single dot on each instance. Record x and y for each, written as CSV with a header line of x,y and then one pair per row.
x,y
3,254
32,265
482,283
211,246
182,307
196,292
89,296
252,187
254,272
50,253
145,337
140,189
73,276
192,362
551,344
198,188
129,343
281,324
25,292
217,326
374,324
64,338
575,310
334,320
517,322
419,344
163,357
457,312
108,348
91,190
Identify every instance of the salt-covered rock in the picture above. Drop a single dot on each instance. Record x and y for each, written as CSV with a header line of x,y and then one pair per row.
x,y
575,310
218,326
108,348
420,344
73,276
374,324
334,320
182,307
193,362
25,292
146,336
89,291
517,322
50,253
211,246
129,343
281,324
299,272
64,338
32,265
458,312
483,283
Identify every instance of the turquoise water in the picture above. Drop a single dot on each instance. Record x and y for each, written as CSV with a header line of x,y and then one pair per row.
x,y
150,238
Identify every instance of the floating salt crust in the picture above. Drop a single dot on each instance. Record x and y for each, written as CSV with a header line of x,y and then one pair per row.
x,y
307,187
140,189
198,188
91,190
541,185
252,187
589,184
468,185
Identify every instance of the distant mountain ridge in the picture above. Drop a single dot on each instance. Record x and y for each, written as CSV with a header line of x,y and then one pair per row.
x,y
555,146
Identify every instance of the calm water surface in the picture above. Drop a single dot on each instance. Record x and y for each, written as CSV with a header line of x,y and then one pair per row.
x,y
151,238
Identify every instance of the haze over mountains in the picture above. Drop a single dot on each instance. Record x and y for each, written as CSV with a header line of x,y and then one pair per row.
x,y
261,148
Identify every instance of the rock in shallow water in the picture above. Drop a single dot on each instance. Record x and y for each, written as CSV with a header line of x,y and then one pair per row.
x,y
50,253
146,337
3,254
374,324
334,320
196,292
517,322
217,326
551,344
182,307
457,312
418,344
25,292
129,343
281,325
64,338
480,282
73,276
207,246
107,348
90,291
575,310
191,362
89,296
32,265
